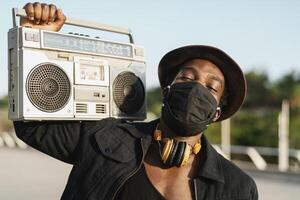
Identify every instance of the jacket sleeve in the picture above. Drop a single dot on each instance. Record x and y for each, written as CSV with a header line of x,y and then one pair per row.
x,y
254,192
57,139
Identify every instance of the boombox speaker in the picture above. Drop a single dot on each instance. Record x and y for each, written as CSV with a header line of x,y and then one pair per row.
x,y
48,87
59,76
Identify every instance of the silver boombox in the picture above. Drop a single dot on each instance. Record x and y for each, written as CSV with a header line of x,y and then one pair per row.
x,y
57,76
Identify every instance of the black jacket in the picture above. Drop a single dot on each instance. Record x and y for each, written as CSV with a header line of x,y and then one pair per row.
x,y
106,153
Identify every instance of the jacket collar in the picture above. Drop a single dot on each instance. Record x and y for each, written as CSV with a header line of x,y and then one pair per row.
x,y
211,166
143,129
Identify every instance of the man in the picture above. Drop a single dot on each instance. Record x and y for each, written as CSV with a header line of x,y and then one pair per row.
x,y
168,158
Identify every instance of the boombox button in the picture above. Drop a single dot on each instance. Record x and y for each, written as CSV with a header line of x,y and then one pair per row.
x,y
32,37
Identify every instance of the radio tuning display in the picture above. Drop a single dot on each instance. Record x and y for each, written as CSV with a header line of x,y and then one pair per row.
x,y
79,44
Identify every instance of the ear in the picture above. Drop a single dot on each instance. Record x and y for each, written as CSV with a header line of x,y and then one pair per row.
x,y
217,114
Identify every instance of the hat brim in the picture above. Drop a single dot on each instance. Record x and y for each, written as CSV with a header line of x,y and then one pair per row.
x,y
235,81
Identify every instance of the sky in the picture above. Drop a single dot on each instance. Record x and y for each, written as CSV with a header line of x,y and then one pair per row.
x,y
262,35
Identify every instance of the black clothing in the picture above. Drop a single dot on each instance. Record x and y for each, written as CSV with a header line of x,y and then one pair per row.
x,y
106,153
139,187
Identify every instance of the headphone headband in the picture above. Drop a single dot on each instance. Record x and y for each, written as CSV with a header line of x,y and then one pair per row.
x,y
174,152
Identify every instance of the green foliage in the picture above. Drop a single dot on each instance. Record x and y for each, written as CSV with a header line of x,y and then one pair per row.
x,y
213,133
257,89
255,128
4,102
286,85
154,101
295,131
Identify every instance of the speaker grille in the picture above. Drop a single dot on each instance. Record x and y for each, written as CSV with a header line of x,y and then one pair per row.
x,y
48,87
81,108
101,109
128,92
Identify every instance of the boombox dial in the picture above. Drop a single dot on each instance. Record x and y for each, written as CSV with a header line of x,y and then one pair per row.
x,y
48,87
128,92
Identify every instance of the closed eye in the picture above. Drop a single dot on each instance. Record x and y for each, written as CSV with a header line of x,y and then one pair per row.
x,y
186,78
211,88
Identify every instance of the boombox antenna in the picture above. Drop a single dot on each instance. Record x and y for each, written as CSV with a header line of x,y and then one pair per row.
x,y
16,12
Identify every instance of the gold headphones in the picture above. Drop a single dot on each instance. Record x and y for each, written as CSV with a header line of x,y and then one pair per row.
x,y
174,152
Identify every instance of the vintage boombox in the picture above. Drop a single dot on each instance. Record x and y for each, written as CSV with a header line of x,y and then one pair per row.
x,y
57,76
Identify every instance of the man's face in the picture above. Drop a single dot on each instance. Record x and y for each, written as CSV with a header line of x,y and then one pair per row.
x,y
204,72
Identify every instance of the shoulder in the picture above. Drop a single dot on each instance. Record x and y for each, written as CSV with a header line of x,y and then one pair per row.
x,y
105,125
111,137
90,126
117,126
237,181
233,172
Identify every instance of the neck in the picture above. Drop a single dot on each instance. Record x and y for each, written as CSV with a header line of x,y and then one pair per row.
x,y
168,133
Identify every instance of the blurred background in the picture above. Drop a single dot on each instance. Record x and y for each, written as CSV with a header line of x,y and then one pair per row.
x,y
263,138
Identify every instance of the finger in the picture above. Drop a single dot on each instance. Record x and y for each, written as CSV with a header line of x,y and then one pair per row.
x,y
29,11
37,12
52,12
60,17
45,13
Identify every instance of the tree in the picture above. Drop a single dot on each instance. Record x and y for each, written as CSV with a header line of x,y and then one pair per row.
x,y
258,92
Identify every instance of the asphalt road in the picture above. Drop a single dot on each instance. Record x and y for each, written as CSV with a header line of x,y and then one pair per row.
x,y
30,175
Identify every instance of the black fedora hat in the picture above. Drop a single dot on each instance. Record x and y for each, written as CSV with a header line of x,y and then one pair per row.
x,y
235,81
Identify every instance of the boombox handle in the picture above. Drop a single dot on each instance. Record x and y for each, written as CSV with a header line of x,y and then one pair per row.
x,y
86,24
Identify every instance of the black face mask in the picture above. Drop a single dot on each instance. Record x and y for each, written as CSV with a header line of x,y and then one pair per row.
x,y
188,108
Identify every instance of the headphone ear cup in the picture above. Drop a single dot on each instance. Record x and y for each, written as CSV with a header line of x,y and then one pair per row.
x,y
167,150
179,154
186,155
174,148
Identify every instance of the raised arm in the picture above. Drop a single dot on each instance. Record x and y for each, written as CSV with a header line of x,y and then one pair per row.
x,y
57,139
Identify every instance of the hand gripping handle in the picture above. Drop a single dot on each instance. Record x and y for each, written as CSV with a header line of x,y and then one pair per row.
x,y
81,23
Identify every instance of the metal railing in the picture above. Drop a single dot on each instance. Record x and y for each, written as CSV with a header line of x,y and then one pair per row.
x,y
11,140
256,153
